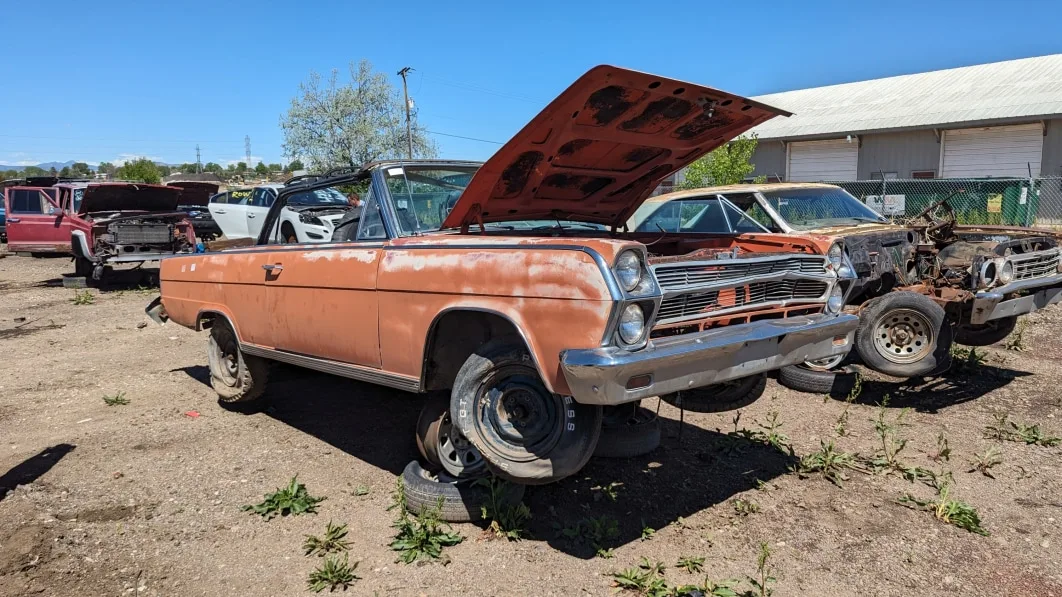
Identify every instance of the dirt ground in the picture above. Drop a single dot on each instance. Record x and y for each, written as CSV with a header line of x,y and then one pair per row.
x,y
145,498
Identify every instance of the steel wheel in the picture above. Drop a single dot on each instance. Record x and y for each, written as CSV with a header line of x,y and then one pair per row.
x,y
903,336
225,358
824,364
457,456
517,413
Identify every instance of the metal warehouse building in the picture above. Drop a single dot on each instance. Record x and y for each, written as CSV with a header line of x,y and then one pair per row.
x,y
991,120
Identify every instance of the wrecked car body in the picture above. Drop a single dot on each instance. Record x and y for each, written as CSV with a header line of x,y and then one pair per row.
x,y
509,293
977,279
195,197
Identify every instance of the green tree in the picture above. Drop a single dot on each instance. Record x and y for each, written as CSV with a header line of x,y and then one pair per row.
x,y
80,169
241,167
140,170
295,164
186,168
165,170
275,167
106,168
10,174
33,171
261,169
728,164
53,172
213,167
65,172
349,124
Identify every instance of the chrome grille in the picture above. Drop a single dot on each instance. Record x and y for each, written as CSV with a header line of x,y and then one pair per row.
x,y
140,234
1035,265
693,304
722,271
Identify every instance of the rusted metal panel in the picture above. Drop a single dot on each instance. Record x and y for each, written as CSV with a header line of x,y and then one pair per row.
x,y
598,150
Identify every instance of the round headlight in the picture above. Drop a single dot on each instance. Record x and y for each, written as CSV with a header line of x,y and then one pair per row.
x,y
629,270
835,303
1006,273
631,324
988,273
835,255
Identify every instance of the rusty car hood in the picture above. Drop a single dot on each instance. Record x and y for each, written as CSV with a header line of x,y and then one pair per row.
x,y
129,197
195,192
600,148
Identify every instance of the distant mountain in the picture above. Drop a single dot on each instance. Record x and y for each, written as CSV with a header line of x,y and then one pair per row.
x,y
47,166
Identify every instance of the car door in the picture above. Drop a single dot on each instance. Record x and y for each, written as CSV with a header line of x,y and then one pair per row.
x,y
229,211
257,208
35,221
323,298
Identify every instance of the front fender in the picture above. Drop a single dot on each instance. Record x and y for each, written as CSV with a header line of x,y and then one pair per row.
x,y
80,246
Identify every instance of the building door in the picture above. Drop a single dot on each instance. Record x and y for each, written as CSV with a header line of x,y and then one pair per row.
x,y
998,151
815,161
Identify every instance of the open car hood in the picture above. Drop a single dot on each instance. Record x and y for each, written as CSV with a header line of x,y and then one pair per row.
x,y
128,196
194,192
601,147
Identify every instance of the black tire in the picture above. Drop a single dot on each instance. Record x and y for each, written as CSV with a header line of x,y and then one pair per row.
x,y
287,232
462,499
636,433
835,382
442,445
83,267
903,334
525,433
721,397
985,334
235,376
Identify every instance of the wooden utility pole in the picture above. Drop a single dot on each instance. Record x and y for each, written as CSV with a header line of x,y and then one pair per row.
x,y
405,92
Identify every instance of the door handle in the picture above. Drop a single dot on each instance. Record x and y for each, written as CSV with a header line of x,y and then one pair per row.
x,y
273,267
219,211
250,215
14,220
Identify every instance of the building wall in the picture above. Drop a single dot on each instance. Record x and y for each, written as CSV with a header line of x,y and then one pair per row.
x,y
769,159
1051,165
902,153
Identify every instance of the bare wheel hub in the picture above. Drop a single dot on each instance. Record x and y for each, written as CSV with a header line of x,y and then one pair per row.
x,y
515,415
903,336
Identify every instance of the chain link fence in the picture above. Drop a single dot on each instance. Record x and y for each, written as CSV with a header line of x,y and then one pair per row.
x,y
977,201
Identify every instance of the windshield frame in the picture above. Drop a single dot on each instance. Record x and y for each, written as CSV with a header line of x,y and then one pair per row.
x,y
381,176
787,227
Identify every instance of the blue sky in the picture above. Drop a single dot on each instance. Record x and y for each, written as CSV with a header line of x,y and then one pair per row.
x,y
108,80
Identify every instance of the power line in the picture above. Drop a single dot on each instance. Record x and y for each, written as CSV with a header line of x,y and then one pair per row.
x,y
463,137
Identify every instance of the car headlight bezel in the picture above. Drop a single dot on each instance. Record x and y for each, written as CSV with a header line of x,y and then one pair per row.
x,y
835,302
629,270
306,218
989,273
631,325
835,255
1006,271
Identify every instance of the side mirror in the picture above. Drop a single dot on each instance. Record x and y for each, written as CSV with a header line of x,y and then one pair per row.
x,y
52,210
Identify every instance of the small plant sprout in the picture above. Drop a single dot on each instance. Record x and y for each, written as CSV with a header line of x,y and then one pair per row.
x,y
1016,339
610,491
332,574
420,537
840,427
334,541
647,579
761,583
829,461
943,451
953,512
769,432
507,521
857,389
1004,430
745,508
118,399
967,360
892,442
83,297
361,490
293,499
690,564
983,462
595,532
647,532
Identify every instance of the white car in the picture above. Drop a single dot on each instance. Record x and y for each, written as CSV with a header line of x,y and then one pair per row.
x,y
308,217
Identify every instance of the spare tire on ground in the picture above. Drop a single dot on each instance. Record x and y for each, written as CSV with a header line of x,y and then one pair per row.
x,y
462,499
837,383
720,397
628,430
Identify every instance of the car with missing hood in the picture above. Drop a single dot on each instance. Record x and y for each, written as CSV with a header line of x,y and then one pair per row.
x,y
100,224
920,285
195,197
509,295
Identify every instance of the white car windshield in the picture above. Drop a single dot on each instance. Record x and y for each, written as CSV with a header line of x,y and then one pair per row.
x,y
810,208
323,197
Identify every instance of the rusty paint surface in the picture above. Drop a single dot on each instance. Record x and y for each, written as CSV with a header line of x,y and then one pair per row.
x,y
597,151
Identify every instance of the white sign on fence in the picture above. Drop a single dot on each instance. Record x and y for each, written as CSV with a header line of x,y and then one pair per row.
x,y
893,205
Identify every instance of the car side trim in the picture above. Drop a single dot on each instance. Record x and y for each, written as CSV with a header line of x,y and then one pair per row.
x,y
366,374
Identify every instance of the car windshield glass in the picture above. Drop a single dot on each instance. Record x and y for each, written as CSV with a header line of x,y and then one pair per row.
x,y
78,194
423,195
806,209
324,197
544,225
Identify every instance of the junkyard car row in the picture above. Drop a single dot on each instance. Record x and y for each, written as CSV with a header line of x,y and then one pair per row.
x,y
536,298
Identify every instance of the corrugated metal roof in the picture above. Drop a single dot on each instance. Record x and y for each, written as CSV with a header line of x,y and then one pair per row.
x,y
1025,88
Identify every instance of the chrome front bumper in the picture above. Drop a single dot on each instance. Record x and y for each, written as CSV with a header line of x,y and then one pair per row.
x,y
989,304
601,375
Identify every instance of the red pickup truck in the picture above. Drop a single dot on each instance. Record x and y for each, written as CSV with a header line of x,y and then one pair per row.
x,y
98,223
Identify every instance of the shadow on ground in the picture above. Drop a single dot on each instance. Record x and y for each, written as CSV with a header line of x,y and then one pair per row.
x,y
930,395
32,468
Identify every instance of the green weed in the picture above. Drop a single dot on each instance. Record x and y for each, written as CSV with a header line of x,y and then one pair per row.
x,y
953,512
983,462
829,461
508,521
118,399
293,499
595,532
745,507
761,583
690,564
83,297
332,574
420,537
1004,430
334,541
1016,340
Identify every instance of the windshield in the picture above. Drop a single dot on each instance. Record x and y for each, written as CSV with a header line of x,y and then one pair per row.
x,y
423,195
326,196
78,194
806,209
